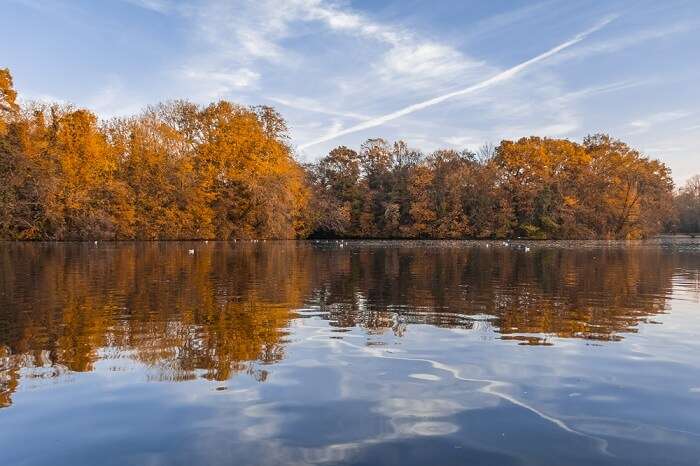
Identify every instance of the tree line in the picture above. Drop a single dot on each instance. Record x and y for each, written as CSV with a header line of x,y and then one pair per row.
x,y
184,171
533,188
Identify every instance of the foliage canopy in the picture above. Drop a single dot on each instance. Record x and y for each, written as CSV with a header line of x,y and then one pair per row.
x,y
184,171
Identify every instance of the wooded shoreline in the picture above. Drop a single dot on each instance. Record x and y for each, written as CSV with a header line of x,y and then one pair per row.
x,y
181,171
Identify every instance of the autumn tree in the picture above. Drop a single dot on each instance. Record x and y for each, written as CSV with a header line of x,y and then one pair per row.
x,y
221,171
543,179
633,193
8,97
90,201
365,194
599,189
258,188
337,192
8,154
176,171
158,163
455,195
687,203
23,183
11,166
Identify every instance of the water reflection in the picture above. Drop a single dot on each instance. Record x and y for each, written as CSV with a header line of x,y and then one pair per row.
x,y
227,308
212,315
564,292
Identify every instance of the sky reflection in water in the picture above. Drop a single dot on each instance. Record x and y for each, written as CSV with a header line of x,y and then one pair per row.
x,y
365,353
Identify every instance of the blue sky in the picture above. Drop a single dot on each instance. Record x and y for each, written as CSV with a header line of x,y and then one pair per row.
x,y
437,74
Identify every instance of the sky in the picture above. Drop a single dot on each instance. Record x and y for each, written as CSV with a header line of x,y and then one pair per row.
x,y
437,74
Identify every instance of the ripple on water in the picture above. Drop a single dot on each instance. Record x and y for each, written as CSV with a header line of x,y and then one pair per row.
x,y
429,377
429,428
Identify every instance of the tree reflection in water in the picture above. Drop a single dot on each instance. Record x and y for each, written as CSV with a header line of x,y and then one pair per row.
x,y
227,309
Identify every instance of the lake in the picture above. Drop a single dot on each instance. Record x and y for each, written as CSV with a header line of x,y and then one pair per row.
x,y
362,353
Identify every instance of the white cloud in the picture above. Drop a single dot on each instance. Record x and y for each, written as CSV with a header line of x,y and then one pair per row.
x,y
424,62
160,6
461,141
617,44
221,83
252,33
596,90
493,80
245,40
498,22
25,97
333,66
665,149
415,61
313,106
112,100
644,124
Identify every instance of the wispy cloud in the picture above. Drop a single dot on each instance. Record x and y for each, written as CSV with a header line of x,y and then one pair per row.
x,y
160,6
113,100
498,22
221,83
246,40
313,106
644,124
335,67
603,89
616,44
25,98
562,103
665,149
498,78
252,33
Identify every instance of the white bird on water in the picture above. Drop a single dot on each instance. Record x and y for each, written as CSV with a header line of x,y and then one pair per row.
x,y
527,249
191,251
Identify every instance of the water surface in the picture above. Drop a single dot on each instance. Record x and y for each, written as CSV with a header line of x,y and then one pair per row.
x,y
363,353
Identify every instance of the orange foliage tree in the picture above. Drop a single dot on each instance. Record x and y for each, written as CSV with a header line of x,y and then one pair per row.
x,y
176,171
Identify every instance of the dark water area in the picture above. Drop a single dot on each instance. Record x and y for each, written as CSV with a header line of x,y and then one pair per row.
x,y
358,353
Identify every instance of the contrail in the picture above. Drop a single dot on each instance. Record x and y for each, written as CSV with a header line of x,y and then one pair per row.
x,y
500,77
